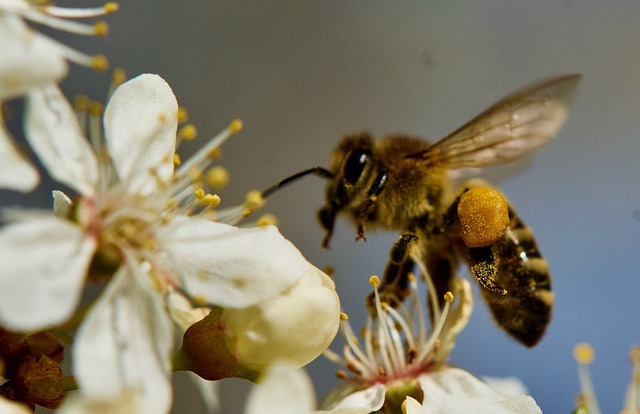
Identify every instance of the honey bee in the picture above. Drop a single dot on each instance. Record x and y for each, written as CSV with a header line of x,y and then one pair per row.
x,y
409,185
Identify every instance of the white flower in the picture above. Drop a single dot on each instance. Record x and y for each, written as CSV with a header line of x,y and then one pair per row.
x,y
285,390
409,364
31,60
137,224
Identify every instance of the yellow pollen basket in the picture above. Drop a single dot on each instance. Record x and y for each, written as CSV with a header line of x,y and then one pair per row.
x,y
484,216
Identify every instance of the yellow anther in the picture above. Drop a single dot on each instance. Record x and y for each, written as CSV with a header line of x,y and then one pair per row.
x,y
99,63
374,281
176,160
215,153
267,220
217,177
118,77
81,102
254,200
634,354
188,132
583,353
199,193
448,297
96,108
101,28
111,7
183,114
411,277
211,200
235,126
344,316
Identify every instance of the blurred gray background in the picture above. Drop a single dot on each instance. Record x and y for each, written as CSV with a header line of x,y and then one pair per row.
x,y
301,74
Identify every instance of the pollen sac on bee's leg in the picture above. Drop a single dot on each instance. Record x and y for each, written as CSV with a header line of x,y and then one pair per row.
x,y
484,216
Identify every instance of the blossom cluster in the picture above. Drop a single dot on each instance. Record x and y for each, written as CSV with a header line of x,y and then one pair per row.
x,y
138,270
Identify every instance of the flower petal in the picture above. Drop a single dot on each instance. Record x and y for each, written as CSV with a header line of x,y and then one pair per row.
x,y
29,59
140,124
284,391
125,343
361,402
53,131
296,326
44,262
229,266
16,172
454,390
62,204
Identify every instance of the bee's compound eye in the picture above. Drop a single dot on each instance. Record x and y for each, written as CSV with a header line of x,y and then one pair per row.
x,y
484,216
354,165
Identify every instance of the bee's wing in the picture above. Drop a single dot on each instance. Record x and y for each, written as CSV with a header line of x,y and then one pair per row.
x,y
509,130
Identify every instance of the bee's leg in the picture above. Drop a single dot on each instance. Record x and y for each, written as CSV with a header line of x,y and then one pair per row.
x,y
483,265
368,208
393,289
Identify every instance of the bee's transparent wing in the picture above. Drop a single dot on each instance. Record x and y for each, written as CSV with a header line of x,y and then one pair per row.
x,y
511,129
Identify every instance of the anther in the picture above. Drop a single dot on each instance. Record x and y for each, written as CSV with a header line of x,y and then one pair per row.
x,y
101,28
217,177
374,281
634,355
342,374
99,63
96,108
183,115
210,200
81,102
253,201
176,160
111,7
118,77
267,220
235,126
583,353
188,132
199,193
344,316
448,297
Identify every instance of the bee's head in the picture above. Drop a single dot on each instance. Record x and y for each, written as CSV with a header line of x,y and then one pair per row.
x,y
351,164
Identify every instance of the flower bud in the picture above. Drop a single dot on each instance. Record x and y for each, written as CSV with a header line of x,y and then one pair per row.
x,y
295,327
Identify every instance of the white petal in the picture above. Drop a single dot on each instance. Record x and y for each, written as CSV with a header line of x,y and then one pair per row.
x,y
16,172
12,407
361,402
140,124
44,262
414,407
61,204
454,390
53,131
296,326
208,392
125,344
229,266
29,59
283,391
76,403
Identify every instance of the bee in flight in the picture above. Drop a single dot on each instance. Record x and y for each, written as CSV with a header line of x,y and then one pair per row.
x,y
407,184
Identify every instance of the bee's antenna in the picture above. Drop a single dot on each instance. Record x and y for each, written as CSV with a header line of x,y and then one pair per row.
x,y
319,171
